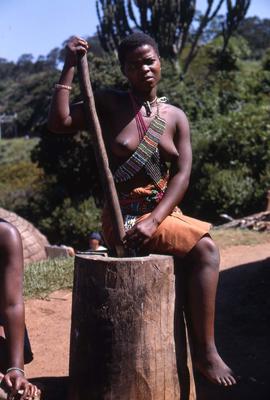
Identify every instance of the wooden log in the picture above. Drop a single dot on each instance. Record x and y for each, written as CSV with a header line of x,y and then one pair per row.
x,y
4,395
128,339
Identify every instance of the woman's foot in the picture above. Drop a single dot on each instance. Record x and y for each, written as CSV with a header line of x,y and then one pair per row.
x,y
214,369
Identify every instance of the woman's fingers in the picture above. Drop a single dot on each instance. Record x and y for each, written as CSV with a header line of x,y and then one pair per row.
x,y
134,238
78,43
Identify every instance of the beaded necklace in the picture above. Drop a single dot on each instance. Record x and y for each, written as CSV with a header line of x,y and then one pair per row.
x,y
141,127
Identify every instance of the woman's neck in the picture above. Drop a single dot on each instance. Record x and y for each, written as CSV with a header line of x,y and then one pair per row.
x,y
146,104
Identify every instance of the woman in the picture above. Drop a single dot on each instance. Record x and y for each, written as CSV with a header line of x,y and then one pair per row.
x,y
12,329
142,135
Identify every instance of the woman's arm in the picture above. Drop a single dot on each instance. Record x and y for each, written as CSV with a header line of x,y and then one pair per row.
x,y
64,118
179,171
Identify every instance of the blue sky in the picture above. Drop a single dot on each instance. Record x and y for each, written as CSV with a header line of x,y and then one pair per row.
x,y
37,26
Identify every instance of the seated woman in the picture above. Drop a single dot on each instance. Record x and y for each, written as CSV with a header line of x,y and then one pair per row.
x,y
143,135
12,325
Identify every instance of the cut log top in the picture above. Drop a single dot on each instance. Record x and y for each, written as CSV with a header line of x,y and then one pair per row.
x,y
150,257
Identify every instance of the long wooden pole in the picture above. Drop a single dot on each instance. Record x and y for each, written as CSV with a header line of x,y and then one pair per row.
x,y
101,154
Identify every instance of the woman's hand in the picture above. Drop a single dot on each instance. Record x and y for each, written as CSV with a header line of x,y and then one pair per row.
x,y
74,47
140,233
16,382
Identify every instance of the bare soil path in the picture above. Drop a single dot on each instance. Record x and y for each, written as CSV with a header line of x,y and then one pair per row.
x,y
242,327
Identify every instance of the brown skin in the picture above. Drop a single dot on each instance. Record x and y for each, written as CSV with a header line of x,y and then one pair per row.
x,y
12,309
142,69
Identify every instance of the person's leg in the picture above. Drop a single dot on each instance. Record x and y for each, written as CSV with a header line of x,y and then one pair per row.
x,y
176,235
11,293
202,275
3,350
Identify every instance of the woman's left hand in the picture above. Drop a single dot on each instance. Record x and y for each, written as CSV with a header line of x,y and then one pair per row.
x,y
140,233
15,381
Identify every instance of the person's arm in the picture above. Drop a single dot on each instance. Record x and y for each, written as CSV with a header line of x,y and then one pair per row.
x,y
64,118
177,186
179,172
12,308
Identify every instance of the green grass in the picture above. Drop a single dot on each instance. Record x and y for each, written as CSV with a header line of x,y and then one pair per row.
x,y
44,277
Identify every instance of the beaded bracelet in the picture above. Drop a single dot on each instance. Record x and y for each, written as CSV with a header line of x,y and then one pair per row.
x,y
60,86
15,369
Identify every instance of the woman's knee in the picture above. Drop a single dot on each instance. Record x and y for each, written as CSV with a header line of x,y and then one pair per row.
x,y
9,237
206,251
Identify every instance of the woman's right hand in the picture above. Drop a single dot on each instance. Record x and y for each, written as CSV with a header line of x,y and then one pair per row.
x,y
15,382
75,46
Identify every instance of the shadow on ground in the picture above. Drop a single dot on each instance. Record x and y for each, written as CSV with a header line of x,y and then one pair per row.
x,y
243,332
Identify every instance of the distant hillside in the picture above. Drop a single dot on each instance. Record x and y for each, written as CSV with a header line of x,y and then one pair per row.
x,y
16,150
18,174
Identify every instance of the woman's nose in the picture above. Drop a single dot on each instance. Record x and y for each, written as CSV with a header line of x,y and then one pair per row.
x,y
145,68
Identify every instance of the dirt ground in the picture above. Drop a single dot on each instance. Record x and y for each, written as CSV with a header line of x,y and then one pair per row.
x,y
242,328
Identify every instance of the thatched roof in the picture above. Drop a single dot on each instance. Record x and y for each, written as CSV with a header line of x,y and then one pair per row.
x,y
33,241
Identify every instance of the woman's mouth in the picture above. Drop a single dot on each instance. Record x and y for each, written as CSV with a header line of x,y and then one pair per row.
x,y
148,78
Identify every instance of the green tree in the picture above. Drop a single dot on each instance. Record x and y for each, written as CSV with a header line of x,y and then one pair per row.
x,y
231,164
257,33
168,22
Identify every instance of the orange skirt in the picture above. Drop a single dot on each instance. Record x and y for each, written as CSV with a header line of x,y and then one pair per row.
x,y
176,235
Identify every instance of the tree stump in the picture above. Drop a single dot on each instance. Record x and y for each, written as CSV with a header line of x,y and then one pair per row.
x,y
128,336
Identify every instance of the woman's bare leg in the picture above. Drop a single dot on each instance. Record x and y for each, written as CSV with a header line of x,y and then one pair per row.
x,y
203,273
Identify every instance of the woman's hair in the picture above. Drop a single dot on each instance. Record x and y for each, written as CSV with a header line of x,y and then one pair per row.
x,y
133,41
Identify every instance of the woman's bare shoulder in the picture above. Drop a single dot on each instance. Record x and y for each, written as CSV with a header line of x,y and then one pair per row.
x,y
176,114
178,111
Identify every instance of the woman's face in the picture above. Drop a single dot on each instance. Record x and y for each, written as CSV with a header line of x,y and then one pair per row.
x,y
142,68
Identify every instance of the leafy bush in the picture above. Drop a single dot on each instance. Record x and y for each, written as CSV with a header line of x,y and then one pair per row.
x,y
19,149
70,223
227,189
43,199
231,164
19,177
266,60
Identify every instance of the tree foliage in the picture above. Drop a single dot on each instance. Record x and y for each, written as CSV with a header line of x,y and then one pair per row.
x,y
257,33
177,31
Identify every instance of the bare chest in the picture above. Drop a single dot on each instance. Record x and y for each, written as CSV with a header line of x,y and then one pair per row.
x,y
123,135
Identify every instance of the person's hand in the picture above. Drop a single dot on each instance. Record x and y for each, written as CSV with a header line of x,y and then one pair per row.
x,y
76,46
140,233
17,383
